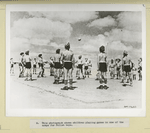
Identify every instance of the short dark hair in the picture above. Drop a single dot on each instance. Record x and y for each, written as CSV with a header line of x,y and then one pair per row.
x,y
102,49
80,57
57,51
67,46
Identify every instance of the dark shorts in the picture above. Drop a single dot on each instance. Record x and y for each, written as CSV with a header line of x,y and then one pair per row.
x,y
57,65
127,68
20,64
102,67
28,65
41,65
118,68
34,66
51,65
12,65
68,65
79,66
86,67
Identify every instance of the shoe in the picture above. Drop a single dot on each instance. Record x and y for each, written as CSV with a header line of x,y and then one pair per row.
x,y
54,82
26,79
78,78
100,87
70,88
105,87
64,88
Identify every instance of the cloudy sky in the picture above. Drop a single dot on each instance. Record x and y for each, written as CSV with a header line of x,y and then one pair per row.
x,y
44,32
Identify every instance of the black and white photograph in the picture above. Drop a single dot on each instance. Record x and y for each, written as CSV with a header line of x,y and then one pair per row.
x,y
75,60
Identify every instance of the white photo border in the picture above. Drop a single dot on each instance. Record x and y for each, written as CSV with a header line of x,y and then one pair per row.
x,y
76,112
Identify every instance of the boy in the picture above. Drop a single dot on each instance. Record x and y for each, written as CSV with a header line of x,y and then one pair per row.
x,y
68,59
140,68
28,66
41,65
51,63
89,67
57,66
126,63
102,68
21,65
79,67
34,66
118,68
11,66
112,69
86,64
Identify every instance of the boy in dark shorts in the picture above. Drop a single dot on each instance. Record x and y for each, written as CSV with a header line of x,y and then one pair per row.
x,y
51,63
41,64
11,66
102,68
126,64
140,68
86,65
79,67
68,59
21,65
57,66
34,66
28,66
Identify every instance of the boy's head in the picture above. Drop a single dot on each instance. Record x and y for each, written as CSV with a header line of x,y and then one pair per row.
x,y
27,52
40,55
112,60
86,59
102,49
125,53
34,58
22,54
80,56
67,46
58,51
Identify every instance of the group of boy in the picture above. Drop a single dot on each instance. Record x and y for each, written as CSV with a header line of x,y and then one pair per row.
x,y
124,69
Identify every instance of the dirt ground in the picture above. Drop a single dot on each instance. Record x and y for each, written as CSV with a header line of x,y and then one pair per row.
x,y
41,93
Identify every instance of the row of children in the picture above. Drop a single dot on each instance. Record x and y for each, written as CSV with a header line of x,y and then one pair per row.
x,y
123,67
116,68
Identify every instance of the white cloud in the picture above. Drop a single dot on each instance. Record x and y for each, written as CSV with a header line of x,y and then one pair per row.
x,y
69,17
19,44
92,43
130,21
40,28
118,46
103,22
39,42
124,35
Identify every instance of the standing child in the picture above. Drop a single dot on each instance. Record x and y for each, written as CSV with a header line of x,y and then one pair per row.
x,y
11,66
112,69
134,72
90,67
51,63
126,63
86,64
28,66
118,68
57,66
79,67
102,67
41,64
22,65
140,68
68,59
34,66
